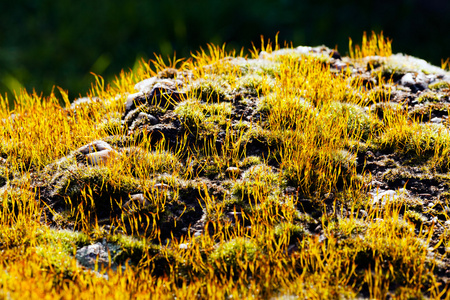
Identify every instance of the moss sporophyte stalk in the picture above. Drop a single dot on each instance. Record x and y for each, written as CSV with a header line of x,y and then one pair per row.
x,y
285,173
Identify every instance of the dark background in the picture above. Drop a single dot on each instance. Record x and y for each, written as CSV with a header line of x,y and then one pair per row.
x,y
59,42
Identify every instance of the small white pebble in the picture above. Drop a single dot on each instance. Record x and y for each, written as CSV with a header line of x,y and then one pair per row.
x,y
183,246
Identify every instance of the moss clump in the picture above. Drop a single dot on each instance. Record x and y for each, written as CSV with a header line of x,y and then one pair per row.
x,y
4,175
293,110
132,249
425,112
428,97
271,175
143,162
418,141
96,189
385,110
212,89
378,95
69,240
415,217
360,124
229,255
250,161
252,84
257,183
440,85
290,231
203,118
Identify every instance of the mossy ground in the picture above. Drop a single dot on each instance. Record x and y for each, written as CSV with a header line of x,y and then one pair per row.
x,y
296,173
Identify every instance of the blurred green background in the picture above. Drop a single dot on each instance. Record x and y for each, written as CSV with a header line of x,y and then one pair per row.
x,y
45,43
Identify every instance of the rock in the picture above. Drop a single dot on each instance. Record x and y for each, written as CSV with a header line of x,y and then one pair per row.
x,y
183,246
94,147
340,65
164,93
146,85
436,120
335,54
389,195
414,82
151,119
101,157
97,153
233,172
317,52
138,201
143,118
100,253
161,187
129,104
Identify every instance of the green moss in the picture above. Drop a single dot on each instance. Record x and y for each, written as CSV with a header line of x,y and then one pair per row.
x,y
151,162
191,115
69,240
252,84
439,85
397,175
264,139
294,110
227,255
206,118
250,161
132,248
385,109
418,141
395,66
60,263
294,231
211,170
4,175
424,112
360,125
415,217
377,95
211,88
257,183
428,97
99,190
344,159
259,67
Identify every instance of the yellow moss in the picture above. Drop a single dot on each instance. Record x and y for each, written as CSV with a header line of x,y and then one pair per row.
x,y
240,238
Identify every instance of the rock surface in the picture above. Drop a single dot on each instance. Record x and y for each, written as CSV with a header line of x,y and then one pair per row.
x,y
195,151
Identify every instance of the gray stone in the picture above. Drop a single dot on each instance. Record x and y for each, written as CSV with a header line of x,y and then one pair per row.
x,y
436,120
233,172
138,201
183,246
143,118
135,202
389,195
414,82
101,254
151,119
98,153
164,93
129,104
94,147
146,85
101,157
